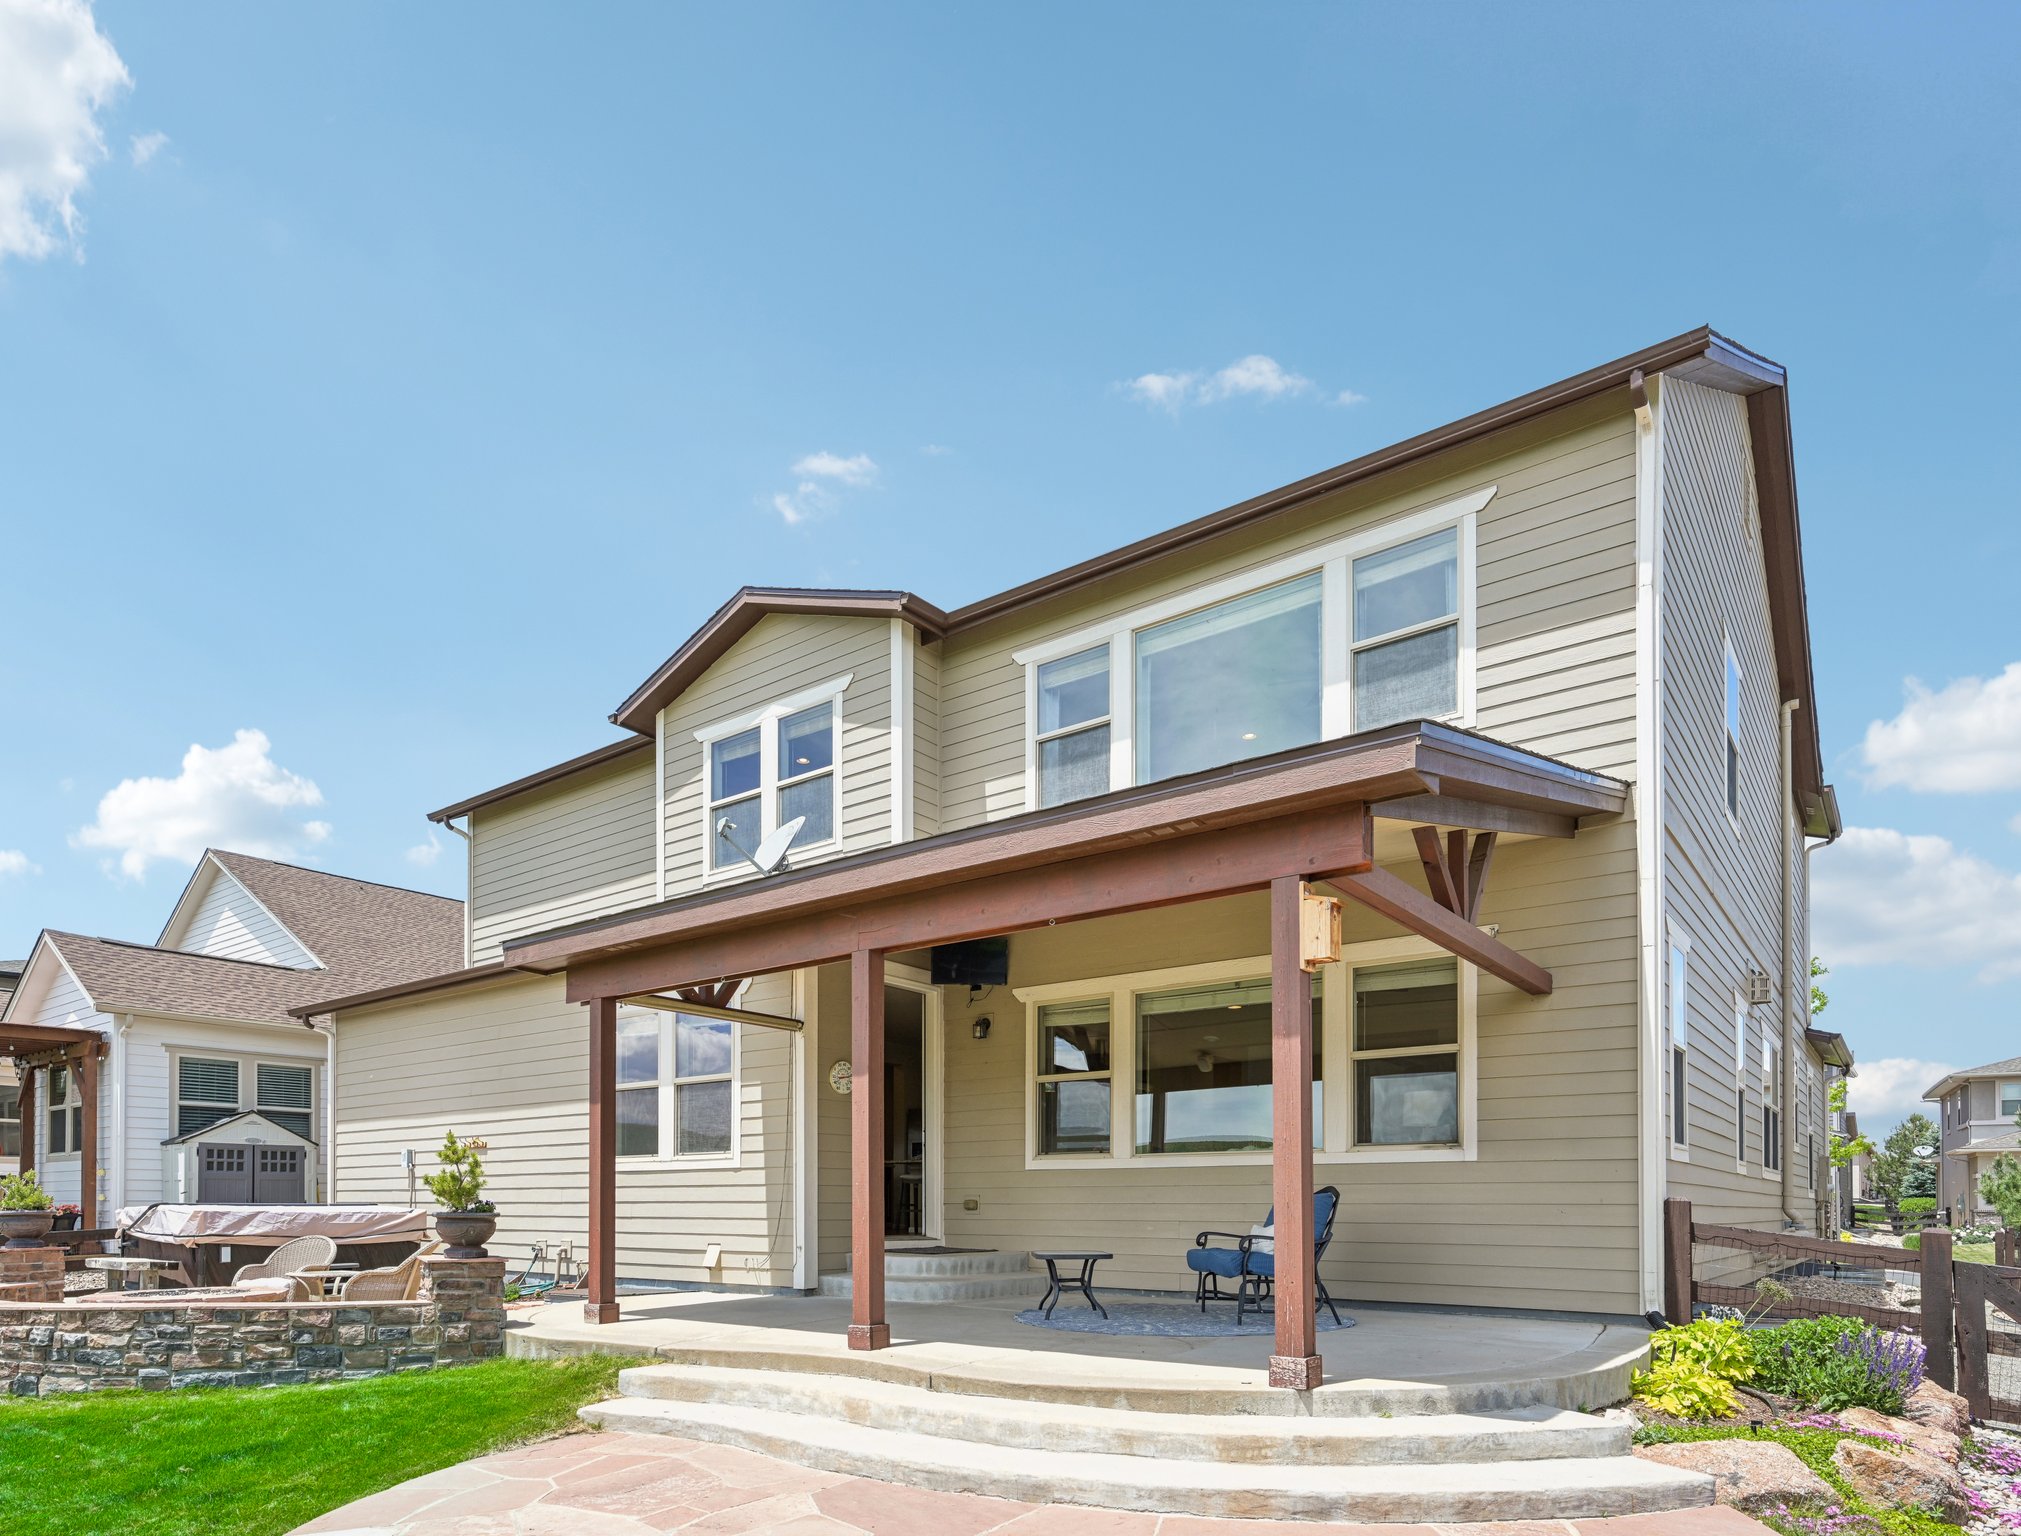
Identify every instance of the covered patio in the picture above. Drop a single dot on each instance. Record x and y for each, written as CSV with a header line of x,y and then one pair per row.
x,y
1311,827
47,1057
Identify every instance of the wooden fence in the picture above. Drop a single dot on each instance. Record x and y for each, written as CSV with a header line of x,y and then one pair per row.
x,y
1968,1315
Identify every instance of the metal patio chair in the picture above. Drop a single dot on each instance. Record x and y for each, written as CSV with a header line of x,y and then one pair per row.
x,y
1252,1262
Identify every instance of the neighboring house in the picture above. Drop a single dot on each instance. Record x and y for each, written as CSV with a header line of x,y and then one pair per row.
x,y
10,1087
127,1050
1977,1111
1533,688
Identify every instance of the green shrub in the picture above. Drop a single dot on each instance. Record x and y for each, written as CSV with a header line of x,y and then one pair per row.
x,y
1835,1363
1913,1241
1693,1369
23,1192
460,1184
1917,1205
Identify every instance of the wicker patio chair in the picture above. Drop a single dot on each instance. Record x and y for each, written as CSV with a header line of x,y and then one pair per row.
x,y
290,1259
399,1282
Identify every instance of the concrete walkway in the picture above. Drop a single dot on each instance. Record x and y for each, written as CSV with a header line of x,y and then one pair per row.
x,y
634,1485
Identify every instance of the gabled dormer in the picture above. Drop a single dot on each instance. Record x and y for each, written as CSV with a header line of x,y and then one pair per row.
x,y
218,915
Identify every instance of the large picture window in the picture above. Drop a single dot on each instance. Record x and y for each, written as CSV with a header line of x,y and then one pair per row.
x,y
764,770
1174,1064
676,1085
1368,630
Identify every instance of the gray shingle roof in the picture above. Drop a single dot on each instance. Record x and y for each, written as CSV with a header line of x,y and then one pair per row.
x,y
2009,1068
366,935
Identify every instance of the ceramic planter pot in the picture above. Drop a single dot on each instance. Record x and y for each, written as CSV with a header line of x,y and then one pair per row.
x,y
26,1229
466,1232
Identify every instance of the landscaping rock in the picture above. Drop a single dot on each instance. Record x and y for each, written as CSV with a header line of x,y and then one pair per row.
x,y
1751,1475
1903,1477
1939,1407
1940,1443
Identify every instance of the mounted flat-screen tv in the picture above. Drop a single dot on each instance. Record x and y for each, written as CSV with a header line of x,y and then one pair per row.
x,y
978,963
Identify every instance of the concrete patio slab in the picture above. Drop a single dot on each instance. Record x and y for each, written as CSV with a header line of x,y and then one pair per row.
x,y
637,1485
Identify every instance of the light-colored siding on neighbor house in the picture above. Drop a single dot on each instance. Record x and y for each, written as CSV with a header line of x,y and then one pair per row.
x,y
1543,1217
509,1061
1722,875
566,853
66,1006
230,924
783,655
1555,667
925,735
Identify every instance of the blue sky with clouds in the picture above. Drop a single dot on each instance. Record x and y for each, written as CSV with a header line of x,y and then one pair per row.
x,y
385,389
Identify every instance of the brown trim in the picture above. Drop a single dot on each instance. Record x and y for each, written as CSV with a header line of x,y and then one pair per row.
x,y
490,971
1788,609
736,618
26,1039
1414,758
1830,1048
594,759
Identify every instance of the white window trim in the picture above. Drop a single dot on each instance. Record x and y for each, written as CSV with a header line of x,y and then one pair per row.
x,y
1335,1144
1771,1101
769,780
2000,1087
1679,1099
249,1085
665,1085
1334,561
1740,1083
73,1099
1730,740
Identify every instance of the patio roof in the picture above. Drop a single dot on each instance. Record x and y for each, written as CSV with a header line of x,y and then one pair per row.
x,y
1420,770
19,1040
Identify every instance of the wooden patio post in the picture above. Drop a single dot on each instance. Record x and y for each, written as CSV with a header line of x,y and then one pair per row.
x,y
601,1304
1676,1261
867,1327
1296,1364
1938,1303
26,1074
87,1162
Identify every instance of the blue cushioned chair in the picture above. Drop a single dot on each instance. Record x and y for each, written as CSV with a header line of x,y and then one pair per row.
x,y
1255,1272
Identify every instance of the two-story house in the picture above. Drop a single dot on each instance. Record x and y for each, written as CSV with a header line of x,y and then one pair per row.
x,y
1978,1119
1523,703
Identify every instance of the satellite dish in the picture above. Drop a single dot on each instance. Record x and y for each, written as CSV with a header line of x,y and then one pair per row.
x,y
1924,1151
769,857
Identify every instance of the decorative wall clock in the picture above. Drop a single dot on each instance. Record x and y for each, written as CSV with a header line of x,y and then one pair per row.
x,y
841,1076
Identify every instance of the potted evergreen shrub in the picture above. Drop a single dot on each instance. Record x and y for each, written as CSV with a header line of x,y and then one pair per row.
x,y
466,1220
26,1211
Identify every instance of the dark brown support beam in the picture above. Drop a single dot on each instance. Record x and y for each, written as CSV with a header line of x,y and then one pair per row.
x,y
29,1116
1403,903
87,1161
601,1305
1296,1363
1439,878
1480,815
867,1327
711,994
1160,873
1477,873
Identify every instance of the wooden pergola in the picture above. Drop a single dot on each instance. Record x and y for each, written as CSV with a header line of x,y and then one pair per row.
x,y
1286,824
35,1047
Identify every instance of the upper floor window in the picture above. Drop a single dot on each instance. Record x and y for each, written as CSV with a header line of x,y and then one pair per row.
x,y
1732,732
1771,1107
1680,1047
1367,631
676,1085
770,768
2010,1100
65,1113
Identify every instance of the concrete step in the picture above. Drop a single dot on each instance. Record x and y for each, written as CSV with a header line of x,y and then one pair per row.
x,y
1562,1488
924,1275
1529,1434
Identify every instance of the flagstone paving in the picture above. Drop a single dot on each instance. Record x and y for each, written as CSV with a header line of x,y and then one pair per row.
x,y
632,1485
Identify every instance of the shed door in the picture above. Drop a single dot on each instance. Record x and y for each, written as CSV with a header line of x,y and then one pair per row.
x,y
277,1176
224,1175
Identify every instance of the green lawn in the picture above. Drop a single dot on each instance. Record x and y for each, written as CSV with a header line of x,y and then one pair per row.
x,y
260,1461
1814,1448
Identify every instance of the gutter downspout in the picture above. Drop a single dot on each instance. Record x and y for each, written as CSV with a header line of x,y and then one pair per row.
x,y
1791,979
1653,1156
116,1069
330,1114
470,881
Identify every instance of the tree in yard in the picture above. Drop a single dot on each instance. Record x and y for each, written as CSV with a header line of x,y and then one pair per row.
x,y
1843,1148
1897,1160
2000,1187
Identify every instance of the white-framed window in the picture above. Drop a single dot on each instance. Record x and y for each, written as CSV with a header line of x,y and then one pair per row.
x,y
210,1088
1680,1048
766,768
63,1112
1071,736
10,1119
1175,1066
1740,1116
1771,1107
2010,1100
676,1086
1363,631
1732,731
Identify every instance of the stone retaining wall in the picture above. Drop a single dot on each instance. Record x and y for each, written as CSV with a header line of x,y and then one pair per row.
x,y
459,1316
31,1274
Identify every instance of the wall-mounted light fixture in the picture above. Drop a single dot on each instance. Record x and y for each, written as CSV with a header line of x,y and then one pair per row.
x,y
980,1028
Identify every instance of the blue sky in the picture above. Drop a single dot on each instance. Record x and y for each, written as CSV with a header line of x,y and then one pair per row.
x,y
411,380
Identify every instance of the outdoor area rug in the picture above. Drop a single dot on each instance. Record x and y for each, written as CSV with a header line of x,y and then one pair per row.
x,y
1163,1319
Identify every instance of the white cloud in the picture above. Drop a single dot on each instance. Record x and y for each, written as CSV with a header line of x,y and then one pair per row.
x,y
57,73
1256,376
820,474
146,146
234,796
935,450
1965,738
425,854
1886,898
1882,1092
14,862
1350,397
